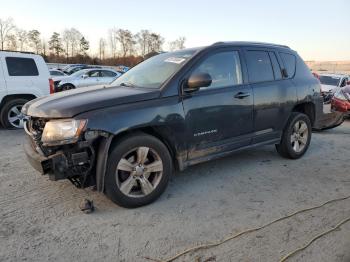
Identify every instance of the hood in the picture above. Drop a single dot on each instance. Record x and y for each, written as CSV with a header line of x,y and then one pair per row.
x,y
327,88
72,102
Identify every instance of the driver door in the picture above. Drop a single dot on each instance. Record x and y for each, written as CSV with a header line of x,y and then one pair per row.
x,y
219,118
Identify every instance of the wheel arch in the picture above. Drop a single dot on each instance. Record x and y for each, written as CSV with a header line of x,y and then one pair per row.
x,y
107,142
16,96
307,108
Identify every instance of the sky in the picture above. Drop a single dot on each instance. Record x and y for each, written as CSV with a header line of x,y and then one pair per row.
x,y
317,30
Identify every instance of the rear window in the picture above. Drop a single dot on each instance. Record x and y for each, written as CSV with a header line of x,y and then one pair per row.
x,y
289,63
18,66
105,73
259,66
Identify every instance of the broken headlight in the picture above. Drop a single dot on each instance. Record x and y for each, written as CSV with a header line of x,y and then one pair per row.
x,y
64,131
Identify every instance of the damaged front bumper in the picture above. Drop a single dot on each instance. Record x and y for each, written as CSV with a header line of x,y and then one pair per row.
x,y
72,165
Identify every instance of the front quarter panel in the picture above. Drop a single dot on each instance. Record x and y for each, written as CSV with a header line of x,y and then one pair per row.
x,y
164,115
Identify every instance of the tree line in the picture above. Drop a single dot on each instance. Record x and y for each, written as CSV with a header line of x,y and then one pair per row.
x,y
121,46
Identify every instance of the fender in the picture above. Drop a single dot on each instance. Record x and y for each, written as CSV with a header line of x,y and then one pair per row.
x,y
164,115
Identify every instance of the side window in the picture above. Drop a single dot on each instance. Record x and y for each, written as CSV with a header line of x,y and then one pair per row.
x,y
94,73
276,66
106,73
259,66
224,69
18,66
289,63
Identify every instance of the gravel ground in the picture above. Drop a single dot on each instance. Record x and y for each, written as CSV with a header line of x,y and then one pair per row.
x,y
40,220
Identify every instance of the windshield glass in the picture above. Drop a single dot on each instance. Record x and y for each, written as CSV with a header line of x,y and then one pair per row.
x,y
329,80
153,72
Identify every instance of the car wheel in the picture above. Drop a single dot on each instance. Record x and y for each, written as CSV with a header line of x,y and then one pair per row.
x,y
138,170
67,87
11,115
296,136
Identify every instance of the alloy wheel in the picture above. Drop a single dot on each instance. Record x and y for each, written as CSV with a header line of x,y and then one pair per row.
x,y
15,116
139,172
299,136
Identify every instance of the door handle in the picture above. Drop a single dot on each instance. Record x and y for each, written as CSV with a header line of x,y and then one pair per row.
x,y
241,95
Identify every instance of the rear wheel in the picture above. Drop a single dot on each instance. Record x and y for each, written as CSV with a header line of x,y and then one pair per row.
x,y
138,170
296,136
67,87
11,115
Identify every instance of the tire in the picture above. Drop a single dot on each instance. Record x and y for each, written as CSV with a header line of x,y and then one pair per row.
x,y
67,87
123,177
289,148
10,110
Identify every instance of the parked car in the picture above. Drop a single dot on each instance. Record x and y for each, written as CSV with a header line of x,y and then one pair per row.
x,y
78,68
341,100
172,111
56,73
23,77
330,83
86,77
69,67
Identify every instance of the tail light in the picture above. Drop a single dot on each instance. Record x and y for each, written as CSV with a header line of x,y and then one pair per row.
x,y
52,86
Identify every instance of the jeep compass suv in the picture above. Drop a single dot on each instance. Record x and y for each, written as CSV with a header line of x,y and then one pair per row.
x,y
172,111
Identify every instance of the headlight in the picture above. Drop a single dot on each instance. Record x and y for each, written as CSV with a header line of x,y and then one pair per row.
x,y
65,131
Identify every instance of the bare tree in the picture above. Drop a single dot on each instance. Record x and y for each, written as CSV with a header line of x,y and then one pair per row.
x,y
11,43
155,43
177,44
34,40
22,37
126,40
112,35
75,37
102,48
6,27
66,36
142,39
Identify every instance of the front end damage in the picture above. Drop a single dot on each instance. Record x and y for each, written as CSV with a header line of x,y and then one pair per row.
x,y
73,161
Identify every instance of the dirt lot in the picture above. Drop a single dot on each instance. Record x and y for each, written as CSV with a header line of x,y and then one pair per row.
x,y
40,220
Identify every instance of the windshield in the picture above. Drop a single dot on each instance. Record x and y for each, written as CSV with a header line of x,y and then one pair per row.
x,y
330,80
153,72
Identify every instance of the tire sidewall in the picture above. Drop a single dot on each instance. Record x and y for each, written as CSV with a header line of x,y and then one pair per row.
x,y
298,117
118,150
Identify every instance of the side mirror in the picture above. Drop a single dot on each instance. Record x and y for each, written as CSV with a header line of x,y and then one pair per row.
x,y
195,82
284,73
84,76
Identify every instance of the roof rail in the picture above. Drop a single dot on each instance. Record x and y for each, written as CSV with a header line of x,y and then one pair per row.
x,y
250,43
23,52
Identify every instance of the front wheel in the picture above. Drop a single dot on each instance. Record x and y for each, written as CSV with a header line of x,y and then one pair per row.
x,y
138,170
296,136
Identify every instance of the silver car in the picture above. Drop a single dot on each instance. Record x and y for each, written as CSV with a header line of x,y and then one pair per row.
x,y
86,77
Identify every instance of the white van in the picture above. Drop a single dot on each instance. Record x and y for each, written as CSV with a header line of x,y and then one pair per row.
x,y
23,77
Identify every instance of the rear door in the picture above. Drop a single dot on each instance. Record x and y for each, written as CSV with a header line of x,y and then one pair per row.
x,y
107,76
219,117
274,95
